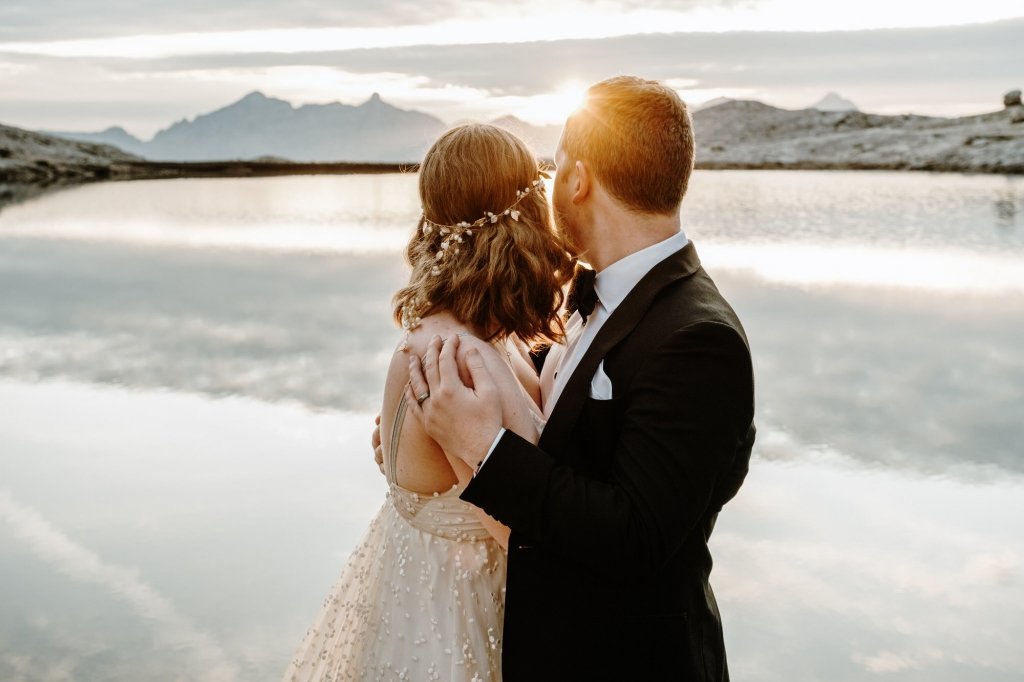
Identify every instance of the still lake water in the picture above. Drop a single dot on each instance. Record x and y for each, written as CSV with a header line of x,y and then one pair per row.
x,y
189,371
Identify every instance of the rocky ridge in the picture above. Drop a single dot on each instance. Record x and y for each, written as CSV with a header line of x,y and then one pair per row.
x,y
29,157
748,134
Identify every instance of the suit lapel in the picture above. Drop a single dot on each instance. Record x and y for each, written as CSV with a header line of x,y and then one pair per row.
x,y
559,428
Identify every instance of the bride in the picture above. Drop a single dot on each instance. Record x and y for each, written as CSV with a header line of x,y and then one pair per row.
x,y
423,594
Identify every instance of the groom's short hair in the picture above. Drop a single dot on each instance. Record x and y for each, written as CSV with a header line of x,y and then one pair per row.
x,y
636,136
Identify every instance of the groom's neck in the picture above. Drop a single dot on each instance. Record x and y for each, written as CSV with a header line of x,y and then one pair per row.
x,y
617,232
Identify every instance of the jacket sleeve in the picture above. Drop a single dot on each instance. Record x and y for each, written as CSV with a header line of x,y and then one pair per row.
x,y
681,453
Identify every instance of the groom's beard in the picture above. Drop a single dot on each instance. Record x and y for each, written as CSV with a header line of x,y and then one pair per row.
x,y
569,229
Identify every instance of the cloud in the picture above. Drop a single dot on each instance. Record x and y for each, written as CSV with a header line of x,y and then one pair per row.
x,y
25,20
996,568
59,19
889,662
736,59
948,71
22,20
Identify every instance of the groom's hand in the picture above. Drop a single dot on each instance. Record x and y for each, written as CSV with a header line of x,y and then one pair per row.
x,y
463,420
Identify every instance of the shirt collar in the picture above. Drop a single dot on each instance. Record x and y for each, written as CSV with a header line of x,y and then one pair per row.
x,y
616,281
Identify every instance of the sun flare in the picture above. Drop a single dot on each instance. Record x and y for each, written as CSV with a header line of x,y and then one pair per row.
x,y
553,107
568,98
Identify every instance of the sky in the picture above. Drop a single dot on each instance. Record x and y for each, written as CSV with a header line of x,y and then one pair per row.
x,y
79,65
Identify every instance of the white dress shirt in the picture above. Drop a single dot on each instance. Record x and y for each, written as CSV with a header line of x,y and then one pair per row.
x,y
612,285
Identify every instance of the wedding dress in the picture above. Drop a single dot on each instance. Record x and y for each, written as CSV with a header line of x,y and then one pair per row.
x,y
421,598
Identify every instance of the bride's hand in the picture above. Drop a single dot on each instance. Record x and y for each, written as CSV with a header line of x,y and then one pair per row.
x,y
378,451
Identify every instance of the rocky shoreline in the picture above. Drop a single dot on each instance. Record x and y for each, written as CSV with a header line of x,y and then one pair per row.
x,y
34,159
48,173
29,158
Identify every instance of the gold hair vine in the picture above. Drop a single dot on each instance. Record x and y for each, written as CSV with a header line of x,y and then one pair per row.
x,y
453,234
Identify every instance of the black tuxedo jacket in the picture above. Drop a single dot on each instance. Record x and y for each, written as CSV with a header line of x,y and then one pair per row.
x,y
611,512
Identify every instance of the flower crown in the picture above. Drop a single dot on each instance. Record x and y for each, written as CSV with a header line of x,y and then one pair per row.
x,y
453,234
452,237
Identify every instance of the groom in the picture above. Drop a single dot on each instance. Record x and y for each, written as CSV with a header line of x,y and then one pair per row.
x,y
649,408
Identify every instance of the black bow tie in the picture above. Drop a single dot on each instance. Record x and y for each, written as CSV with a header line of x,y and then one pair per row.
x,y
582,295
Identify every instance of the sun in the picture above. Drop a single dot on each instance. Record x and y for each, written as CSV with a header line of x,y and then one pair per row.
x,y
568,98
555,106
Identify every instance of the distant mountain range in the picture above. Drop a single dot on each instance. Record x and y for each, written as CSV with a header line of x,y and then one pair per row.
x,y
258,126
259,135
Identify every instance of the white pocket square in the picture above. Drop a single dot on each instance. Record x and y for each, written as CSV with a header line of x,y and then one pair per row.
x,y
601,385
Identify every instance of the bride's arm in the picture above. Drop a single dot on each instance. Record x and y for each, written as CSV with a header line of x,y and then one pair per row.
x,y
520,395
520,414
497,529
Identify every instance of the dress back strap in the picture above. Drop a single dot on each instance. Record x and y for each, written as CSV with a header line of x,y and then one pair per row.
x,y
396,434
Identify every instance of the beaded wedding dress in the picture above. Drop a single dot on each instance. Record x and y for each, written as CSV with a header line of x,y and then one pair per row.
x,y
422,596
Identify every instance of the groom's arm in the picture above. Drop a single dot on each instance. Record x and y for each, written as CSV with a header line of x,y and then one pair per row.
x,y
687,414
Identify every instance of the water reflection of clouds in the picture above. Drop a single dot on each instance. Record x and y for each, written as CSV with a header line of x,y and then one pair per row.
x,y
894,378
324,214
231,514
926,380
890,210
858,571
878,533
825,568
1008,205
841,265
343,237
311,328
61,553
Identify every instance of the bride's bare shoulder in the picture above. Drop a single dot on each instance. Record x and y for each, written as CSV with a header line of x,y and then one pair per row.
x,y
439,324
414,343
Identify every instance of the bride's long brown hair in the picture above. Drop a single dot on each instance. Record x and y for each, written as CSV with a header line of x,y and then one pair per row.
x,y
506,277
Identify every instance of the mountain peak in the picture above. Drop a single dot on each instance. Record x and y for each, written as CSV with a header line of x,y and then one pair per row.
x,y
256,99
714,102
508,120
833,102
375,101
377,105
260,126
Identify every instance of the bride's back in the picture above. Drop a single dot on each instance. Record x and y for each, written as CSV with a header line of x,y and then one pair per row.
x,y
420,465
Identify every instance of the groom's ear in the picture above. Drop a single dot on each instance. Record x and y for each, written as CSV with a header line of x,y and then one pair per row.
x,y
582,184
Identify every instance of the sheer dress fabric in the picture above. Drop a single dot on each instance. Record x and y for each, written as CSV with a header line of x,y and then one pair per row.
x,y
421,598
